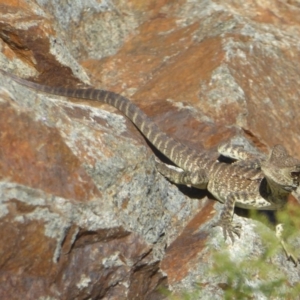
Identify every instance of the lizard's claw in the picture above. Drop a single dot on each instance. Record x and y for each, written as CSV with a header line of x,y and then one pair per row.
x,y
229,229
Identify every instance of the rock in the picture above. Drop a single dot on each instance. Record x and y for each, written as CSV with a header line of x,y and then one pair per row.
x,y
84,214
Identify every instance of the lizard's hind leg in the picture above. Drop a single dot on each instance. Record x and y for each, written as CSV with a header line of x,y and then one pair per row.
x,y
243,157
198,179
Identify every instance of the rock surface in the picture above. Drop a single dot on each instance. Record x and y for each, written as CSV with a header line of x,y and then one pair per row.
x,y
83,213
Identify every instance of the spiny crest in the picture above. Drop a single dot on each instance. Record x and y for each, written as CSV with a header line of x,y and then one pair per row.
x,y
278,152
280,158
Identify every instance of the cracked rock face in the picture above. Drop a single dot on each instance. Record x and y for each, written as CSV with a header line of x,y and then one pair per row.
x,y
83,212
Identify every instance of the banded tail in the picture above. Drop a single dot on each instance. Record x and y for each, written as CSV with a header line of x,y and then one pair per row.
x,y
181,155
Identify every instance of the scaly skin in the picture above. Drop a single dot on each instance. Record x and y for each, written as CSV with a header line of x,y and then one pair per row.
x,y
251,182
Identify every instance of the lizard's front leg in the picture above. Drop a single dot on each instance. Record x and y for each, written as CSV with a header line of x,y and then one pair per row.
x,y
176,175
225,221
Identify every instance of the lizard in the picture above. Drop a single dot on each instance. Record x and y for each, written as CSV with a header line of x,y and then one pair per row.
x,y
251,182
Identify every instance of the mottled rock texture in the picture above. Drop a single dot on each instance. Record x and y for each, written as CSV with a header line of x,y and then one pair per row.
x,y
83,212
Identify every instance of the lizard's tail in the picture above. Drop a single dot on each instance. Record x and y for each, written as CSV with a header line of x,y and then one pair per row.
x,y
177,152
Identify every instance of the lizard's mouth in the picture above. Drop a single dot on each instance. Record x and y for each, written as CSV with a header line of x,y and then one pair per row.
x,y
290,188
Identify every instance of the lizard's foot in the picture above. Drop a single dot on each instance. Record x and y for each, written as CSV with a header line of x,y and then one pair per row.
x,y
229,228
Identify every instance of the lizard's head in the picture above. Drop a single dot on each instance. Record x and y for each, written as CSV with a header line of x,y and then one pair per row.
x,y
282,169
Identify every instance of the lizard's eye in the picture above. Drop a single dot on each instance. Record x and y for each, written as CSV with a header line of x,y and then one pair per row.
x,y
295,175
296,178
